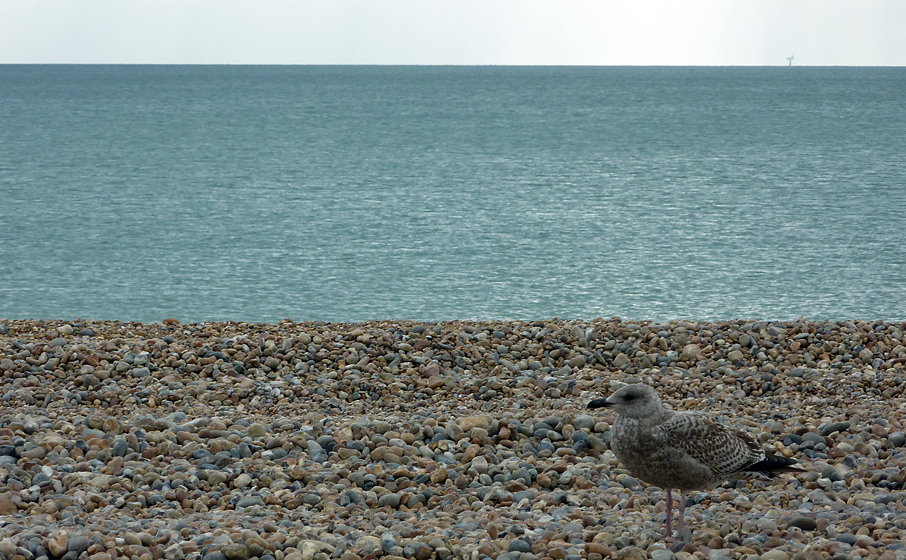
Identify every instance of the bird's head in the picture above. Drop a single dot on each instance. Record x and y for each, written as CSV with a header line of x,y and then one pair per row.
x,y
634,401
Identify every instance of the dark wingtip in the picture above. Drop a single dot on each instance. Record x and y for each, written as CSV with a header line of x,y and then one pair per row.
x,y
599,403
773,464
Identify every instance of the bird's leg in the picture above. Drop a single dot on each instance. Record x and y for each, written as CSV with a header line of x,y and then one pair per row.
x,y
682,513
669,531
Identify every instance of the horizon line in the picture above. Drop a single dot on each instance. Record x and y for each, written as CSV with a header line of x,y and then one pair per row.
x,y
441,65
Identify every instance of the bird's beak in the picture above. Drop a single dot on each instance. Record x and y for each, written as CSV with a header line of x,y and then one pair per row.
x,y
599,403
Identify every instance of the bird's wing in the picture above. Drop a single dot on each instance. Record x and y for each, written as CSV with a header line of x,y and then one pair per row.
x,y
723,449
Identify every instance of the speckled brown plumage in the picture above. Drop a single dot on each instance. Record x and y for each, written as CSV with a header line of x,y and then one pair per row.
x,y
683,450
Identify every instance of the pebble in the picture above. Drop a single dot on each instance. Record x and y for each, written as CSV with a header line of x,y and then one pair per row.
x,y
804,523
453,440
256,431
235,552
630,482
78,544
389,500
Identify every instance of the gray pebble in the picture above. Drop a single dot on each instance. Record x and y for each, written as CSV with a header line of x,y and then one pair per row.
x,y
630,483
387,542
318,455
584,422
78,544
120,448
812,437
351,497
174,552
804,523
828,429
847,538
820,498
249,501
519,545
311,499
41,479
392,500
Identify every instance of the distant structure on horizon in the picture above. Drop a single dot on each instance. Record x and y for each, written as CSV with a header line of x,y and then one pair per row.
x,y
790,58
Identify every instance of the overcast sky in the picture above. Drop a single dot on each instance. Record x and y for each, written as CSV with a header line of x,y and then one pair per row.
x,y
562,32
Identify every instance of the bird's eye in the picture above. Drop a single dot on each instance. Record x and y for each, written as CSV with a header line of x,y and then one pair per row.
x,y
629,397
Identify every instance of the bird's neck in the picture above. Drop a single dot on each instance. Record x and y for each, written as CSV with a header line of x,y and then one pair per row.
x,y
648,420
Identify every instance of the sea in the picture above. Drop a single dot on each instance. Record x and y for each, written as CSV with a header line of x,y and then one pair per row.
x,y
354,193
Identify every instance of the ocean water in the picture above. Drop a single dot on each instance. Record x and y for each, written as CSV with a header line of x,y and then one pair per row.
x,y
433,193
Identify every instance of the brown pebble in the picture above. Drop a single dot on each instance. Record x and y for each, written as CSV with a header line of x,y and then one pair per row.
x,y
438,475
598,548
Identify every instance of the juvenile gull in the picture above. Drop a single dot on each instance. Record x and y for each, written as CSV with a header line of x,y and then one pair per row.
x,y
683,450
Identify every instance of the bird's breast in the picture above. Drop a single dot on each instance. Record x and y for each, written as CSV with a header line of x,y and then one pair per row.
x,y
632,443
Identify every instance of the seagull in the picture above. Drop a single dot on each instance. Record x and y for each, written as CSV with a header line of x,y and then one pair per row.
x,y
683,450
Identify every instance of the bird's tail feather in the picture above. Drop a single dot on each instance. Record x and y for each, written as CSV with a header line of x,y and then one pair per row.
x,y
772,465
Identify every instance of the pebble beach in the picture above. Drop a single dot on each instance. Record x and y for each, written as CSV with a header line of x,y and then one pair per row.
x,y
449,440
